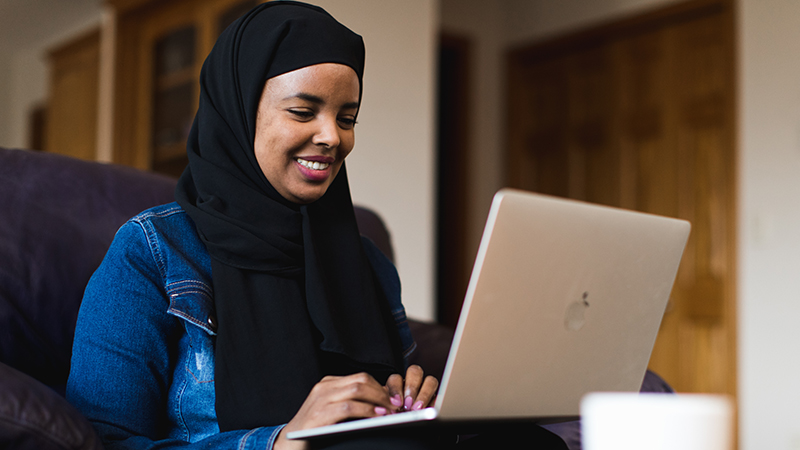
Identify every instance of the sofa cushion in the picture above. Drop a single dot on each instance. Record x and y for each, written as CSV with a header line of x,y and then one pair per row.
x,y
59,217
33,416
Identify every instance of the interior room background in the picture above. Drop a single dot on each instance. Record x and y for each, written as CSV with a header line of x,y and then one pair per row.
x,y
394,169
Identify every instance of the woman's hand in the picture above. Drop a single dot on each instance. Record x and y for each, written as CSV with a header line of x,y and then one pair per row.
x,y
335,399
412,393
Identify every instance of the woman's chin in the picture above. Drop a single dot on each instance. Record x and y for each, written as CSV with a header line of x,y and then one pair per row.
x,y
306,195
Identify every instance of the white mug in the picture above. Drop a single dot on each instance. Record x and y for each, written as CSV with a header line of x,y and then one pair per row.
x,y
628,421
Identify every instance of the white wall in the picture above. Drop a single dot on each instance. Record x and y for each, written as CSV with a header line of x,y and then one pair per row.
x,y
28,30
769,221
29,78
391,169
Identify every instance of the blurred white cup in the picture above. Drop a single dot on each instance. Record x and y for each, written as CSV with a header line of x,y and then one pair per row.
x,y
628,421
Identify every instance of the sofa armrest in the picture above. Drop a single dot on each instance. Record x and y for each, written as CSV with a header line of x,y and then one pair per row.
x,y
33,416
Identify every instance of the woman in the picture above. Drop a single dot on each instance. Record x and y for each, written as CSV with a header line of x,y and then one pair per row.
x,y
255,287
251,307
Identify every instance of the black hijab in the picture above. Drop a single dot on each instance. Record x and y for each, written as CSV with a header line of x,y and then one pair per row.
x,y
294,293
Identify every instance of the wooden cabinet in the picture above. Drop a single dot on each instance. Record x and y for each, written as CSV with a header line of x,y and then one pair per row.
x,y
160,48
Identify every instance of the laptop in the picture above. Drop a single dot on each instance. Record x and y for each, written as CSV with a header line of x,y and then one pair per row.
x,y
565,298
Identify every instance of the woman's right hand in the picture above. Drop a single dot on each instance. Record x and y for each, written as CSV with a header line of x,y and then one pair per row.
x,y
333,400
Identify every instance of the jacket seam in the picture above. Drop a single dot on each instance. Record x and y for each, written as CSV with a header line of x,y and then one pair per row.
x,y
274,436
152,244
179,407
145,221
243,441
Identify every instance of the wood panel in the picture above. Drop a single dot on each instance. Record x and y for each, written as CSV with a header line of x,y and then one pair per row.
x,y
71,126
640,114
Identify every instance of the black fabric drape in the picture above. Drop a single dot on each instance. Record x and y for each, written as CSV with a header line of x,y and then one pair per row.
x,y
294,293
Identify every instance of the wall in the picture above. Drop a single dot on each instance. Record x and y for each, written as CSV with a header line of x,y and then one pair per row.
x,y
29,76
769,217
27,31
391,169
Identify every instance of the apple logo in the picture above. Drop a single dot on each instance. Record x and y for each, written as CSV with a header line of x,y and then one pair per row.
x,y
574,317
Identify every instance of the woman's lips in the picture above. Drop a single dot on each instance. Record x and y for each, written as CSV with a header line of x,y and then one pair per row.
x,y
315,168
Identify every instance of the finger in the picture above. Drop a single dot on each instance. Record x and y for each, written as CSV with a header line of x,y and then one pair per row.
x,y
394,387
340,411
426,393
353,409
359,387
334,399
412,384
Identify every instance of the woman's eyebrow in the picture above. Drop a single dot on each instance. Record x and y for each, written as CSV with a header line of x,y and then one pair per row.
x,y
307,97
319,101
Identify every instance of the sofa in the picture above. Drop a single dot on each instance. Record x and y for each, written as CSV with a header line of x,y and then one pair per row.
x,y
59,216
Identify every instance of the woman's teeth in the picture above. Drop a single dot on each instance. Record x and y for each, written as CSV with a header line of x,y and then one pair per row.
x,y
313,165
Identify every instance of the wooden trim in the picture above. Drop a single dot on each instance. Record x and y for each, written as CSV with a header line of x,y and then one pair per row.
x,y
733,196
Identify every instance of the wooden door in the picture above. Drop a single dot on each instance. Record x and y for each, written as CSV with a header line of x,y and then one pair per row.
x,y
640,114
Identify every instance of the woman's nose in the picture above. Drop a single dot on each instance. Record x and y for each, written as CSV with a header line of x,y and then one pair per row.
x,y
328,133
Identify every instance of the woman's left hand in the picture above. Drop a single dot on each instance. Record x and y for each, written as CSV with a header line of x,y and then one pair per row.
x,y
412,393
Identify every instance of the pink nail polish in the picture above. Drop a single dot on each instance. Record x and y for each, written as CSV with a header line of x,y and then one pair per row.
x,y
396,400
417,406
380,410
408,402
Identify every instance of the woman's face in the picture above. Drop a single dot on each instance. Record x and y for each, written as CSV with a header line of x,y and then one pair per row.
x,y
304,129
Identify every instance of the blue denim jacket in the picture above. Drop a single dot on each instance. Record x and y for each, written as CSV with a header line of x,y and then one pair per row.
x,y
143,358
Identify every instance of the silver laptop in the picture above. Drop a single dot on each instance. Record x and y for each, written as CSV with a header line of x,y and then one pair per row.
x,y
565,298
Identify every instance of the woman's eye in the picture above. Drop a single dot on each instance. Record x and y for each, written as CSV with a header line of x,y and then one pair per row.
x,y
347,122
301,114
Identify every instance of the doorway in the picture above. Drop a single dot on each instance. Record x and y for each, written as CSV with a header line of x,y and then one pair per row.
x,y
452,176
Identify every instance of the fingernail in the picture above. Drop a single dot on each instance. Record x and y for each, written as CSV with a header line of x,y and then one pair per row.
x,y
408,402
396,400
380,410
417,406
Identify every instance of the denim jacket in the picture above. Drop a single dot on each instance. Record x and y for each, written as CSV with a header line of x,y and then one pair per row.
x,y
143,357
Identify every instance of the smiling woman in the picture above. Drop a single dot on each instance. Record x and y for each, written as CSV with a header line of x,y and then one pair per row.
x,y
258,271
305,129
251,307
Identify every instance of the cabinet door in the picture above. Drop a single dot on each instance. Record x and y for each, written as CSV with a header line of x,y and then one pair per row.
x,y
170,59
170,40
71,127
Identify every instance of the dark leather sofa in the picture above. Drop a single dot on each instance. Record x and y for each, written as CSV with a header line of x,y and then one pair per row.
x,y
58,216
